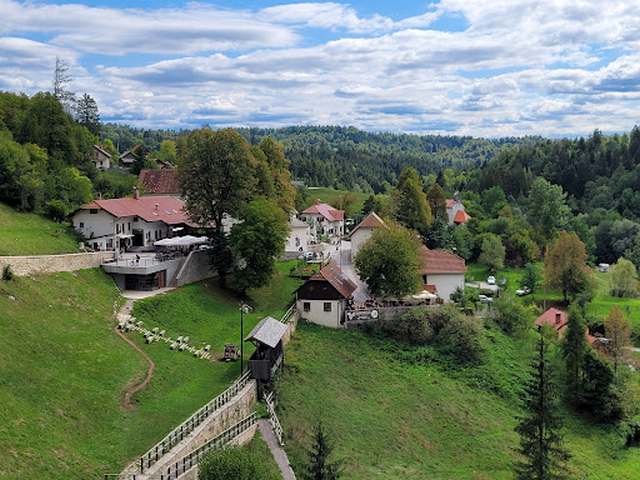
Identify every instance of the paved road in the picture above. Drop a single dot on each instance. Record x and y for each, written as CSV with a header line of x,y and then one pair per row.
x,y
279,455
343,258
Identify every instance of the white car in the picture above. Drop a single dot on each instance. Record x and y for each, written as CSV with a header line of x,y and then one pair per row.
x,y
521,292
485,299
491,280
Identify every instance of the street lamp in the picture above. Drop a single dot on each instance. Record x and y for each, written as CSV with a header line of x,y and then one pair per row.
x,y
244,308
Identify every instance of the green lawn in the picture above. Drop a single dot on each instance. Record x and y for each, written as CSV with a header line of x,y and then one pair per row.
x,y
392,414
260,449
31,234
63,370
331,196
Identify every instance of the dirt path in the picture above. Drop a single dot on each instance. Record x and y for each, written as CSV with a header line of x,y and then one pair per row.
x,y
133,387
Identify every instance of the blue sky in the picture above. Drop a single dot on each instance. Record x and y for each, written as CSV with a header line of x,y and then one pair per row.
x,y
472,67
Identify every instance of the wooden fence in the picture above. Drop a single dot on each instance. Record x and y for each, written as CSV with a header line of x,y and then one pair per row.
x,y
273,418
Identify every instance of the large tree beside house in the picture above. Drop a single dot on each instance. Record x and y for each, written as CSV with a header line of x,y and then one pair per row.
x,y
565,266
411,208
389,262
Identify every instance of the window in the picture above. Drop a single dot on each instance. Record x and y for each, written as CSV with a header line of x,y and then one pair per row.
x,y
81,224
117,228
306,306
93,211
327,306
129,226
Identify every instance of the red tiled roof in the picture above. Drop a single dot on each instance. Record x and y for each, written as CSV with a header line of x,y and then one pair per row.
x,y
451,202
440,261
338,280
461,217
160,182
370,221
167,209
554,318
326,210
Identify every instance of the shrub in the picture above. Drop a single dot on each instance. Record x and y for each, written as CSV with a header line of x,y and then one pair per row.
x,y
512,317
236,463
630,432
57,210
460,338
7,273
412,327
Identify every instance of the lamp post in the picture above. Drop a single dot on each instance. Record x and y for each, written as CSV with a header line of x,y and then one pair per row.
x,y
244,308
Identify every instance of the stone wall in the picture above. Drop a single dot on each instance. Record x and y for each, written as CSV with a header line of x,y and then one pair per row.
x,y
70,262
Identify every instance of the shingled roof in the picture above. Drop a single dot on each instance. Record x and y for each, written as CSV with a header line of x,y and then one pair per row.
x,y
440,261
371,221
326,210
338,280
268,331
160,182
167,209
461,217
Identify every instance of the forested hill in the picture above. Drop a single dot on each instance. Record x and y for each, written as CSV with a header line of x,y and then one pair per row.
x,y
346,157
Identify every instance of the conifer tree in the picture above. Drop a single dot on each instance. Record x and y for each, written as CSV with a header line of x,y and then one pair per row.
x,y
411,206
574,348
541,446
319,467
87,113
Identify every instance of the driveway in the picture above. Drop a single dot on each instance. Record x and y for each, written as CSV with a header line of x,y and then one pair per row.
x,y
342,257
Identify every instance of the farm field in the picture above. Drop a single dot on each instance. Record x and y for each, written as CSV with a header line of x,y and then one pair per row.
x,y
31,234
63,370
399,412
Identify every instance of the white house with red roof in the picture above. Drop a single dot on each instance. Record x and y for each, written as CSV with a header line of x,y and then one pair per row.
x,y
456,213
120,223
363,231
558,320
324,220
442,272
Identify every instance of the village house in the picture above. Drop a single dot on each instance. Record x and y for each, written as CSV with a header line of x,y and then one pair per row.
x,y
159,182
127,159
456,213
122,223
324,297
299,239
101,158
325,221
363,231
442,272
558,320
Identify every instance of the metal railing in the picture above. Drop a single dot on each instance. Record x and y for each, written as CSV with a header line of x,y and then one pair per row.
x,y
189,461
189,425
273,418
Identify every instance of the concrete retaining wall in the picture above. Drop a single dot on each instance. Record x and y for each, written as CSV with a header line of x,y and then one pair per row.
x,y
70,262
197,267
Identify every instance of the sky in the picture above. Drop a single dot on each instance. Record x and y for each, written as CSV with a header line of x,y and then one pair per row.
x,y
488,68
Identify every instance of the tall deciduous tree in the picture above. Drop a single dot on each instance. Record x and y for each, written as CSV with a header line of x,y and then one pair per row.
x,y
319,467
389,261
492,252
574,347
618,332
87,113
283,189
437,201
410,201
624,279
565,266
256,243
547,208
541,445
216,174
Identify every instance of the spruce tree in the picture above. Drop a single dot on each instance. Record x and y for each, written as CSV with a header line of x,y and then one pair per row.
x,y
319,467
87,113
541,447
574,348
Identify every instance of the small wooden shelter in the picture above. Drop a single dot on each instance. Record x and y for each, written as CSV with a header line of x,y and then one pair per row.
x,y
269,355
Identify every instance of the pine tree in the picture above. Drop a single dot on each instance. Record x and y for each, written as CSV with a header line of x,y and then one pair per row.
x,y
411,206
541,446
61,81
87,113
574,348
319,467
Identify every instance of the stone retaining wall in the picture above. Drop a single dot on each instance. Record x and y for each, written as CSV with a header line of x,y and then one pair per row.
x,y
68,262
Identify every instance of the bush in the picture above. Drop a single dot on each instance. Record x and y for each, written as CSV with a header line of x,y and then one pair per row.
x,y
7,273
57,210
460,338
235,463
630,432
412,327
512,317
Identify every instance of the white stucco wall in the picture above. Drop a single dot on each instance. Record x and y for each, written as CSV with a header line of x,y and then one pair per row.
x,y
446,283
359,238
322,226
317,315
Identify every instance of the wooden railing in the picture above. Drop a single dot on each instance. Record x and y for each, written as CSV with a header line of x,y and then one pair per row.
x,y
189,425
273,418
288,315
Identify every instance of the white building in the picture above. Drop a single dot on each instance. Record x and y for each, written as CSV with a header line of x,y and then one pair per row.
x,y
456,213
363,231
324,220
442,272
299,238
121,223
101,158
323,298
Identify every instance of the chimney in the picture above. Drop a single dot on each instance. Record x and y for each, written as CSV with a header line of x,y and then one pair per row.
x,y
136,193
157,207
558,316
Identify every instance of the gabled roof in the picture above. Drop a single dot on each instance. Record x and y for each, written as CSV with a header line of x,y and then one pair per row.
x,y
167,209
128,157
461,217
326,210
160,182
338,280
553,317
268,331
102,151
451,202
440,261
371,221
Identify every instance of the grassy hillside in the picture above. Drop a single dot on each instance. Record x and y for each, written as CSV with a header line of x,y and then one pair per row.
x,y
332,196
63,371
397,412
30,234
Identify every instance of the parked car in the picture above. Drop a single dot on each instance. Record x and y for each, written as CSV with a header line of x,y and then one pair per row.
x,y
521,292
491,280
485,299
